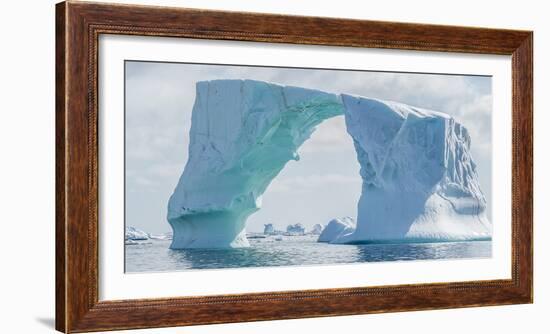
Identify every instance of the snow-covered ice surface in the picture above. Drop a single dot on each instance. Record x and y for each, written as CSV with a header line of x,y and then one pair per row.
x,y
419,180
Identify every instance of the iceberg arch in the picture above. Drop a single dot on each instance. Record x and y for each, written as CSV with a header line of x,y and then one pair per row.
x,y
419,180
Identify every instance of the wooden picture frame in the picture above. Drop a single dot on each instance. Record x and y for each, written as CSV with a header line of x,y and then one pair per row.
x,y
78,27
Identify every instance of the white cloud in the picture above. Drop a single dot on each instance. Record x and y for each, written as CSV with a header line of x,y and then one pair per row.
x,y
145,182
330,135
307,182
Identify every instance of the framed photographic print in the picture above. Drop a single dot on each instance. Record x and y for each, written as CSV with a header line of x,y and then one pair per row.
x,y
223,166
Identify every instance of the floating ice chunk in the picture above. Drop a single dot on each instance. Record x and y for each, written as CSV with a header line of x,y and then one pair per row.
x,y
132,233
317,229
337,228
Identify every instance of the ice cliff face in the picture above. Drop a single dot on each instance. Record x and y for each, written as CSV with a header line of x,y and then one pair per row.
x,y
419,180
242,134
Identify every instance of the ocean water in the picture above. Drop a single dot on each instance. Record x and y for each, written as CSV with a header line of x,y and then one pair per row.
x,y
155,255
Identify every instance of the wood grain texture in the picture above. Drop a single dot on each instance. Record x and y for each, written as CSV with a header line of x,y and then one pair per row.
x,y
78,26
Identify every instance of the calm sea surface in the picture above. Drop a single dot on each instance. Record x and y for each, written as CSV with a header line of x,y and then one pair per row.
x,y
155,255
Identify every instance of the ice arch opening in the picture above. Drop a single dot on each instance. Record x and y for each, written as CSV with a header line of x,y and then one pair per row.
x,y
325,183
419,180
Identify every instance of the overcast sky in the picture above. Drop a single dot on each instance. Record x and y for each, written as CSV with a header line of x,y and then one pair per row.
x,y
325,183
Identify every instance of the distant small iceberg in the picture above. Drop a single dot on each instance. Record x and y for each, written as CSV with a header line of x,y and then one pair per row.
x,y
296,229
135,234
337,228
317,229
164,236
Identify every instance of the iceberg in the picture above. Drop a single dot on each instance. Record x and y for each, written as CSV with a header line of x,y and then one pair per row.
x,y
337,228
316,229
269,229
296,229
243,132
419,179
132,233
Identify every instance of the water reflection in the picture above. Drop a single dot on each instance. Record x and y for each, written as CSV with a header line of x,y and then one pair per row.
x,y
156,256
424,251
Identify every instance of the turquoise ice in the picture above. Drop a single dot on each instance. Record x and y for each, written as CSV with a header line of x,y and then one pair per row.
x,y
242,134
